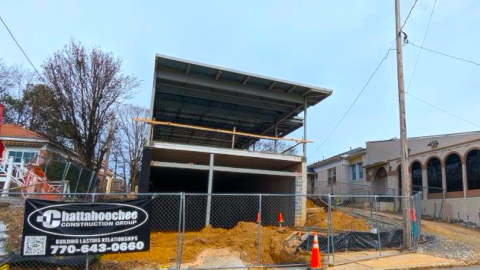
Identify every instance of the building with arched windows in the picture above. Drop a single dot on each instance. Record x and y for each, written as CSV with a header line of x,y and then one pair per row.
x,y
445,168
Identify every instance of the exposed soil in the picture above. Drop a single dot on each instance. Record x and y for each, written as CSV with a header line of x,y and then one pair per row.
x,y
12,217
317,216
242,239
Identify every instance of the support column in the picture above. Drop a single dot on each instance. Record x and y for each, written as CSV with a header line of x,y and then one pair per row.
x,y
305,128
424,183
210,186
464,179
301,199
145,171
444,181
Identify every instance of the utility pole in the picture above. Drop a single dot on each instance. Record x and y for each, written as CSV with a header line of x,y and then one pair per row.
x,y
407,225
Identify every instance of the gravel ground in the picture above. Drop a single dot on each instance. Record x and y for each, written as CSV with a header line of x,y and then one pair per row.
x,y
441,247
467,224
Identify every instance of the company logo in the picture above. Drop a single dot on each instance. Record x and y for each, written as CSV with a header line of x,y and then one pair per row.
x,y
73,219
50,219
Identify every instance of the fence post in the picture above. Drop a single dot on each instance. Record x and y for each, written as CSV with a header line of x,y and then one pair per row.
x,y
378,229
179,235
259,233
9,177
330,230
183,228
90,182
78,180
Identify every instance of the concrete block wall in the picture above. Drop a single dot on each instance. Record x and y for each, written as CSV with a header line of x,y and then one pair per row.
x,y
301,201
463,209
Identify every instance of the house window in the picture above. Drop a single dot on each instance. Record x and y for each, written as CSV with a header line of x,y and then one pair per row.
x,y
360,170
356,171
19,155
332,176
353,172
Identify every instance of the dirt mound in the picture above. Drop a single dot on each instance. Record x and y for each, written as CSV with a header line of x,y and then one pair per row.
x,y
318,217
242,239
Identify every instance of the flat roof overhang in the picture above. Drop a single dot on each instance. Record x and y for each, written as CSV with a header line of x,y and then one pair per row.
x,y
203,95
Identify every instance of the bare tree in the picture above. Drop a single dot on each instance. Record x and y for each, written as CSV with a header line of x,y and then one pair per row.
x,y
6,81
25,101
86,85
269,146
130,139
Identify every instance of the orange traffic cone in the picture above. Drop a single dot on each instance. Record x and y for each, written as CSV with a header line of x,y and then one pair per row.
x,y
280,219
316,258
258,217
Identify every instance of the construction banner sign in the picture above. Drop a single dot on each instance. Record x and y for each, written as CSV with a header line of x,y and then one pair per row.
x,y
66,229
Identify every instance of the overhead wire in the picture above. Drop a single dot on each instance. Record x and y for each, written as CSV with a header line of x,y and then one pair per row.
x,y
21,49
409,13
420,52
354,101
447,112
444,54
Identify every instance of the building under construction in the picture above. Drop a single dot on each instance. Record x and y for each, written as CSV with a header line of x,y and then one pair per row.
x,y
205,123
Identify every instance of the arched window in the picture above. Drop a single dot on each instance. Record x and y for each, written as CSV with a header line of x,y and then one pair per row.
x,y
416,177
434,172
473,169
453,170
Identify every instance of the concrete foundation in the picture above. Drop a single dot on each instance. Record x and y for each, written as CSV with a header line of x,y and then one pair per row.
x,y
462,209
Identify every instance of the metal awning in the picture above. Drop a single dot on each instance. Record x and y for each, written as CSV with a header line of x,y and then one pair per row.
x,y
192,93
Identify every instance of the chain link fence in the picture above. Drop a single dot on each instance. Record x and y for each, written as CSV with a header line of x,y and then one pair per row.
x,y
217,231
75,178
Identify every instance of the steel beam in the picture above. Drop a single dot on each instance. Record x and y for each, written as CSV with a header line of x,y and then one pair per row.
x,y
218,75
207,109
221,97
212,168
245,81
226,86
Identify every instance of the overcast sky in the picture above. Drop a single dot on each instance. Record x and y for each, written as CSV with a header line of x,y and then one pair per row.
x,y
335,44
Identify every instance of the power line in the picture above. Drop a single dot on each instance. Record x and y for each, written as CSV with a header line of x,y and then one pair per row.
x,y
353,103
20,47
438,108
423,41
409,13
444,54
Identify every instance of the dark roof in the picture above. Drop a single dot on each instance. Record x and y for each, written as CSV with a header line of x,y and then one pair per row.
x,y
203,95
350,153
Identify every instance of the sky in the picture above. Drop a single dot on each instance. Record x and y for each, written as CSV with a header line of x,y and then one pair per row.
x,y
335,44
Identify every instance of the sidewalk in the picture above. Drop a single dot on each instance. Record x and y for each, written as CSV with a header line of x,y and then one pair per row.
x,y
404,261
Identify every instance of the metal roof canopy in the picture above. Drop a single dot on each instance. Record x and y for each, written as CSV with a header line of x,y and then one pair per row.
x,y
192,93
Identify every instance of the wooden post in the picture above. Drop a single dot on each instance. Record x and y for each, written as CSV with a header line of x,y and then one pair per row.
x,y
407,229
233,138
276,142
